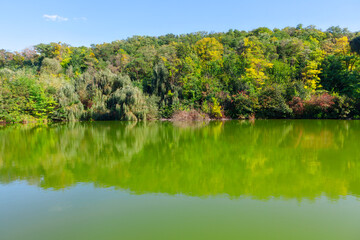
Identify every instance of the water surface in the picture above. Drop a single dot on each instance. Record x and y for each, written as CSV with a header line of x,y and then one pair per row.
x,y
266,179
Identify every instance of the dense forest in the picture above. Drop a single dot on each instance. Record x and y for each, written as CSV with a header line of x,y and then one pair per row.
x,y
295,72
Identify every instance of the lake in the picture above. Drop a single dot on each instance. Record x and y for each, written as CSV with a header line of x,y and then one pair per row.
x,y
262,179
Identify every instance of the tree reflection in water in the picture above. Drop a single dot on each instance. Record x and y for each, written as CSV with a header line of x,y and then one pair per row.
x,y
260,159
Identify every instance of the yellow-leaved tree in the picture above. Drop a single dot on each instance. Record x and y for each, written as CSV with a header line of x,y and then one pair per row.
x,y
209,49
341,46
310,74
256,61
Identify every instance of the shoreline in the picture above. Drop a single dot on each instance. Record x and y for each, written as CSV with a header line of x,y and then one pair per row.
x,y
170,120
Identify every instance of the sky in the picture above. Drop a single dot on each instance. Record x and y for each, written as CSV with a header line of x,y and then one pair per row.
x,y
79,22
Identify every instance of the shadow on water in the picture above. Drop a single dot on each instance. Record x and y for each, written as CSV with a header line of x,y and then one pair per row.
x,y
260,159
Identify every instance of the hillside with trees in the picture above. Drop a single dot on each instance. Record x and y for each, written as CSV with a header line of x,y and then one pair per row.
x,y
295,72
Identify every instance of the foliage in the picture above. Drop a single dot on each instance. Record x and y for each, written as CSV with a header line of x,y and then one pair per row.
x,y
50,66
279,73
216,111
272,103
128,103
322,105
241,105
256,63
355,45
69,106
209,49
24,99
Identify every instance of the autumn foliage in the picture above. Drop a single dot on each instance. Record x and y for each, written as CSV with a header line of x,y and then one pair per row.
x,y
294,72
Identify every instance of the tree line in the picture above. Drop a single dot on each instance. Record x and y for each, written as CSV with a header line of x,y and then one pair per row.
x,y
294,72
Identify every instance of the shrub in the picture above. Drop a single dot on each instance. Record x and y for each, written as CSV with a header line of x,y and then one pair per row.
x,y
272,103
342,108
296,89
24,99
322,105
241,105
69,106
297,106
50,66
129,103
6,73
318,106
189,115
216,111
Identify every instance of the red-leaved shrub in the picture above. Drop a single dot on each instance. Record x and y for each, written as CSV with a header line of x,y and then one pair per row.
x,y
319,106
297,106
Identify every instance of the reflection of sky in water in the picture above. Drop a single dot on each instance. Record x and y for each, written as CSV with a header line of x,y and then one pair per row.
x,y
87,212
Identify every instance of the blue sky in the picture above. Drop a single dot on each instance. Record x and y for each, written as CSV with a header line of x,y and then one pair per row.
x,y
79,22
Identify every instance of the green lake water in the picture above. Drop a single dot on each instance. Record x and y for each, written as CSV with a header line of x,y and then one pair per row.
x,y
265,179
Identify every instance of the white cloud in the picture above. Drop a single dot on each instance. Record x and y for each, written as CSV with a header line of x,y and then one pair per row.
x,y
54,18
